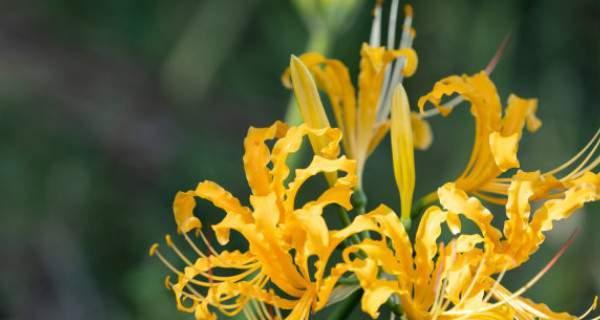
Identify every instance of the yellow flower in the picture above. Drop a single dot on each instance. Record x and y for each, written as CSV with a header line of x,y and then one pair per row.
x,y
456,281
363,118
497,136
283,269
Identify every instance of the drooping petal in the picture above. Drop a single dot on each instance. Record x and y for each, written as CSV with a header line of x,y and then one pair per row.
x,y
257,156
183,209
455,200
582,190
421,132
321,165
220,198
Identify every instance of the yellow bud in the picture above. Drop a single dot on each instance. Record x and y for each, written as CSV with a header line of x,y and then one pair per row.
x,y
402,150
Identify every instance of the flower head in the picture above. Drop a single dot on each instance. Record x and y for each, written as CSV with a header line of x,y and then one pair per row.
x,y
461,279
497,133
363,118
497,136
274,273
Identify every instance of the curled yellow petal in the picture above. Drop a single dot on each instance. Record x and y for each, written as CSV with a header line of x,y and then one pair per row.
x,y
183,209
519,113
402,150
504,149
422,134
411,60
257,156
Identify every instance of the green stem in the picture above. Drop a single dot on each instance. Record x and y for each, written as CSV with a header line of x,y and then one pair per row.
x,y
421,204
345,219
395,307
359,202
345,307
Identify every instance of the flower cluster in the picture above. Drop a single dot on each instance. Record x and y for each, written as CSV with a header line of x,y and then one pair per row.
x,y
295,263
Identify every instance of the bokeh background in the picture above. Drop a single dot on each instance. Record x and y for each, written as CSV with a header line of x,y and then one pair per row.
x,y
107,108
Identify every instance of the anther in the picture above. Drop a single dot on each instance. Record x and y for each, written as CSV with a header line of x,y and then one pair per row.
x,y
153,249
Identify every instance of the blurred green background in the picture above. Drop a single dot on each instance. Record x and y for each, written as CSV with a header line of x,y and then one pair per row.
x,y
107,108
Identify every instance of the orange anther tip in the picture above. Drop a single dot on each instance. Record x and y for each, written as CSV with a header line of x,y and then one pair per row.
x,y
408,10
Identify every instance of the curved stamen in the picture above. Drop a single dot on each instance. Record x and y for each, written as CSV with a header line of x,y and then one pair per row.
x,y
193,245
395,68
590,309
173,247
577,170
523,289
375,38
207,243
472,284
488,69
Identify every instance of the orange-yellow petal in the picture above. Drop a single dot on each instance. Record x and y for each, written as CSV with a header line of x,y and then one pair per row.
x,y
183,209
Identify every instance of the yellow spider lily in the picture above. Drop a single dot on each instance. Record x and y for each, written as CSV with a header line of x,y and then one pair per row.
x,y
497,138
457,280
496,135
363,119
273,278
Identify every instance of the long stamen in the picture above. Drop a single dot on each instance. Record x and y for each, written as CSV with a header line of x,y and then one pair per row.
x,y
193,245
495,285
265,310
375,39
173,247
384,104
590,309
407,31
473,281
576,171
207,243
155,252
577,156
248,313
488,69
391,39
524,288
439,303
391,36
277,311
438,274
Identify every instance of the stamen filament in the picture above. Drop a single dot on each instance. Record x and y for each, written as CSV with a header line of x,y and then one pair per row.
x,y
375,38
384,105
577,156
524,288
488,69
173,247
208,245
193,245
590,309
472,284
391,36
582,164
